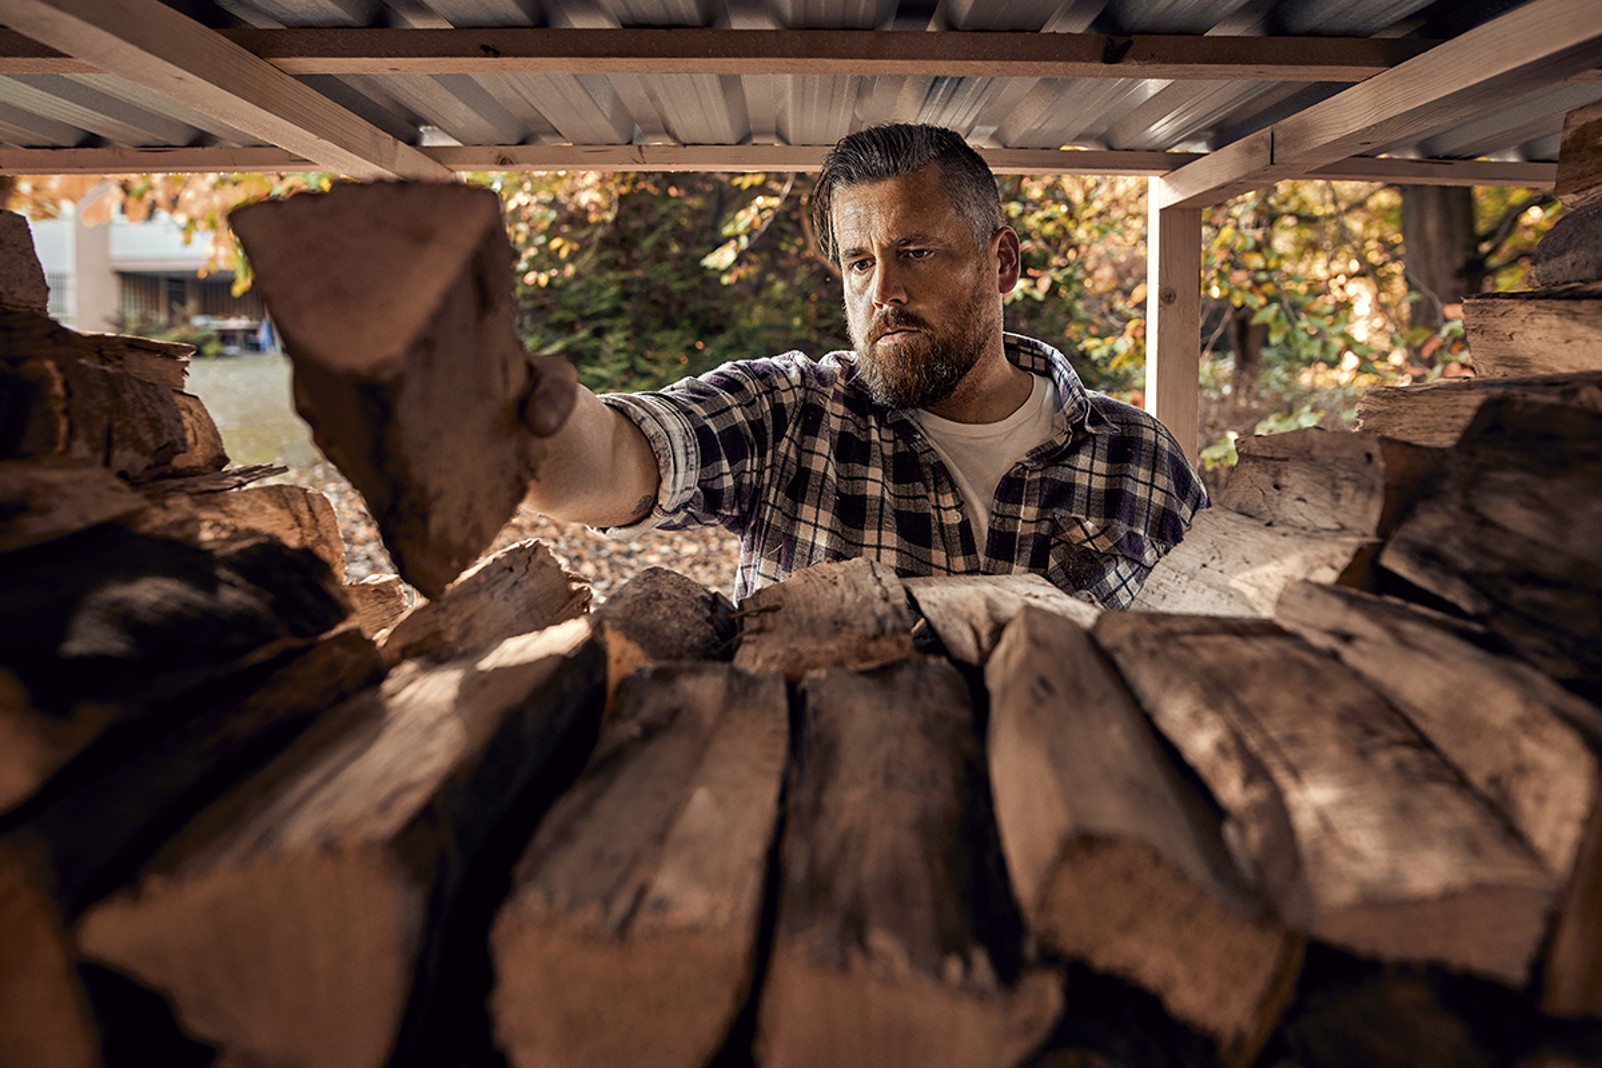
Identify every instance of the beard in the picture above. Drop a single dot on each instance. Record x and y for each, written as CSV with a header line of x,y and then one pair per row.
x,y
925,369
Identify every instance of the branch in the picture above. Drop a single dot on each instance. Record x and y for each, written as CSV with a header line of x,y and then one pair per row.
x,y
1492,241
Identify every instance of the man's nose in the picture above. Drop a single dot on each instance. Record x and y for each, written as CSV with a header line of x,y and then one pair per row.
x,y
887,285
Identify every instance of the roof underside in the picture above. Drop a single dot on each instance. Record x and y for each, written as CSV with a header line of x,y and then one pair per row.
x,y
420,88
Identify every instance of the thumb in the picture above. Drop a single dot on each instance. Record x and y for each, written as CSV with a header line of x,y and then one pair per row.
x,y
551,395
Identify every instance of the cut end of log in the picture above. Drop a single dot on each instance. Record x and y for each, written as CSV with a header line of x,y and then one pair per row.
x,y
813,1016
304,963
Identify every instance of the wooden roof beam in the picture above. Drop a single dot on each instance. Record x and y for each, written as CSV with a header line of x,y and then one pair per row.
x,y
159,48
526,50
1542,42
770,158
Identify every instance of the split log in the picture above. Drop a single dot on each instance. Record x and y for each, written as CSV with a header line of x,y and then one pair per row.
x,y
1540,332
1508,536
107,626
22,279
630,937
1579,175
1128,871
413,388
286,922
969,612
378,602
1233,565
660,616
1437,414
88,835
1362,835
851,614
1332,482
298,517
1570,252
520,589
162,363
1520,739
61,399
891,947
42,500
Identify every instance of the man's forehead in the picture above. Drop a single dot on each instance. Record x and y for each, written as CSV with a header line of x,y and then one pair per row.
x,y
898,209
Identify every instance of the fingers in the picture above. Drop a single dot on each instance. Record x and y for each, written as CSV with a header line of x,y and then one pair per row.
x,y
552,395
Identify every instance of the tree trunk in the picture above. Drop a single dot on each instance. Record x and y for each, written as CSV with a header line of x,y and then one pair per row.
x,y
1441,248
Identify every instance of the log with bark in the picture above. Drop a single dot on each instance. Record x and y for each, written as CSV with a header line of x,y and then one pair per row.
x,y
1570,252
1536,332
520,589
22,279
415,389
1508,535
895,943
1362,835
662,616
92,828
1579,177
1329,482
630,936
851,614
1437,414
62,396
298,517
1118,860
291,921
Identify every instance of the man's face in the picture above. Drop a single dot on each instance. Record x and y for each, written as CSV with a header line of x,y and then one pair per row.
x,y
921,294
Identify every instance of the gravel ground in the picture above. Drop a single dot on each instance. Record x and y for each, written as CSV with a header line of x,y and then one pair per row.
x,y
707,556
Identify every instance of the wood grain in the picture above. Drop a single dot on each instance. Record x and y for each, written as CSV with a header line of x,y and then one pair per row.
x,y
848,614
969,612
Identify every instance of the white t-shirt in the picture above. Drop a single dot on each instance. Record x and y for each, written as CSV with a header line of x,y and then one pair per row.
x,y
979,454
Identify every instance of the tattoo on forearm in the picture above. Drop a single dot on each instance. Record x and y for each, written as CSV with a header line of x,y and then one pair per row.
x,y
643,505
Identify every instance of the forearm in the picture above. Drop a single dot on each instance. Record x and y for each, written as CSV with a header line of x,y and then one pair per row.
x,y
597,469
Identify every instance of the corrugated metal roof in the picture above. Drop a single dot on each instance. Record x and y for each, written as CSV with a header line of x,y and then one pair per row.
x,y
55,106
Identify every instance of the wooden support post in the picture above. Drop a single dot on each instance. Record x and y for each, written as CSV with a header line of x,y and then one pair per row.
x,y
1173,318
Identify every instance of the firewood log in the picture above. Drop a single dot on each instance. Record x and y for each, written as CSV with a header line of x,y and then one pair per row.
x,y
1524,742
1508,535
62,399
377,602
300,518
42,500
1579,177
893,946
520,589
969,612
84,836
22,279
286,922
1233,565
1332,482
850,614
1540,332
1127,871
1568,253
107,626
1437,414
662,616
630,937
1362,835
414,387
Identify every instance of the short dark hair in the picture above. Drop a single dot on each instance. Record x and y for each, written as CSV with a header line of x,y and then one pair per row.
x,y
890,151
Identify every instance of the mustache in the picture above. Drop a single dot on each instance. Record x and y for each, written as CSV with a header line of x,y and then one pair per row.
x,y
892,319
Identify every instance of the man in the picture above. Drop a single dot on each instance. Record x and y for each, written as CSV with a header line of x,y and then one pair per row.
x,y
942,445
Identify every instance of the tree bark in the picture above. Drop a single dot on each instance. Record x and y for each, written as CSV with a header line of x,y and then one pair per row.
x,y
1440,248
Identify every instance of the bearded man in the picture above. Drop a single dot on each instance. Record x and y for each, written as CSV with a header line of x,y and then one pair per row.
x,y
941,445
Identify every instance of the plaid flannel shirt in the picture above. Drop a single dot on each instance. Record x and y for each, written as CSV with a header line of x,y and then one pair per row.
x,y
792,455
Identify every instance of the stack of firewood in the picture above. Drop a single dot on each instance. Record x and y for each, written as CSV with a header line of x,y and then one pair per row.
x,y
1331,798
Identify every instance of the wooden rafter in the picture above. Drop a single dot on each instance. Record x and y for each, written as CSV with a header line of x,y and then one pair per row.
x,y
347,51
1543,41
724,158
159,48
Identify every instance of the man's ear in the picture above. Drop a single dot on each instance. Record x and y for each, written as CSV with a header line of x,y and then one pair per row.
x,y
1004,247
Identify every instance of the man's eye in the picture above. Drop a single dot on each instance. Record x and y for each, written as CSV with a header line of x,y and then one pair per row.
x,y
917,253
859,266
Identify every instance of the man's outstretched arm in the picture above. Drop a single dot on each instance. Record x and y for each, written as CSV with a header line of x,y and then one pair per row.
x,y
590,463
